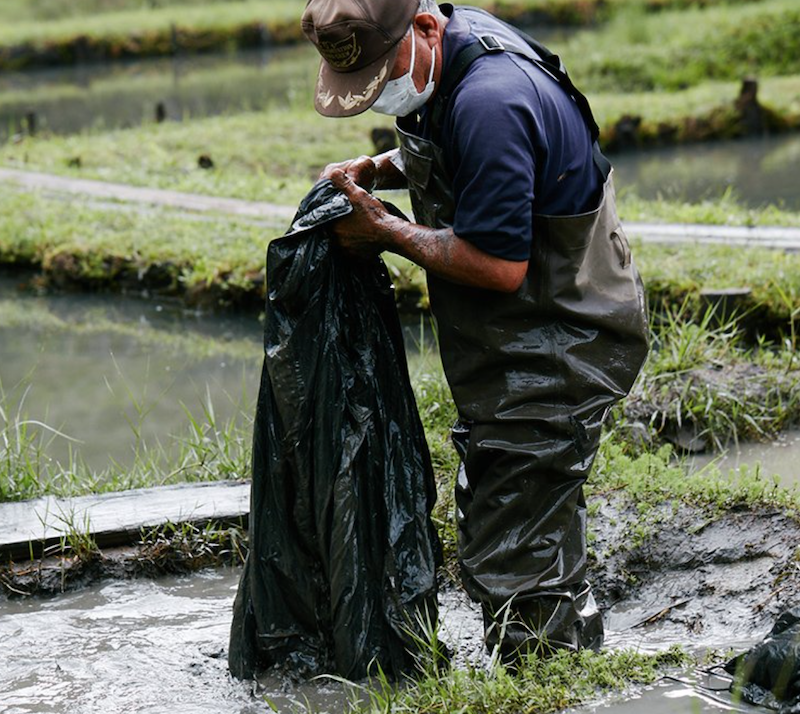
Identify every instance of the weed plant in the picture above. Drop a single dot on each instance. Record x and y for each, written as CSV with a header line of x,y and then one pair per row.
x,y
701,380
181,547
675,276
206,450
542,685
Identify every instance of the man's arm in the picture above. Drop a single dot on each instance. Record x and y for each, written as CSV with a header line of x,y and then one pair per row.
x,y
371,229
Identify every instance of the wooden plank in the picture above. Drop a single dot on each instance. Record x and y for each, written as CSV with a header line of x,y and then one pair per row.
x,y
116,518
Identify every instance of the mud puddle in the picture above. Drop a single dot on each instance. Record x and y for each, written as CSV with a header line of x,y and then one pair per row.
x,y
779,458
157,646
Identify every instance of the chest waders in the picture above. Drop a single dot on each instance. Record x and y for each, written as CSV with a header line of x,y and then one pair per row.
x,y
533,375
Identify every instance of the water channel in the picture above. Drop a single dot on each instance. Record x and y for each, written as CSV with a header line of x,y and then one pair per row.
x,y
107,373
94,96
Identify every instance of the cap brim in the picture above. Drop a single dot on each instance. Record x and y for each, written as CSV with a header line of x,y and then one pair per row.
x,y
345,94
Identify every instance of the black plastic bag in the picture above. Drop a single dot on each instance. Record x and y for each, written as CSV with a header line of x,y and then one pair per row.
x,y
768,674
342,559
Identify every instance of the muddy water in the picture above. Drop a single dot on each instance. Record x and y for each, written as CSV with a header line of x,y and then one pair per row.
x,y
103,369
159,646
757,171
779,459
117,95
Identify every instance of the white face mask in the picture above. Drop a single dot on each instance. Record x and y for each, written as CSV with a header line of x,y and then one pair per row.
x,y
400,96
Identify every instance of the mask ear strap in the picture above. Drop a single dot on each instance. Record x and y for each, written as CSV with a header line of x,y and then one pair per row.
x,y
433,64
413,51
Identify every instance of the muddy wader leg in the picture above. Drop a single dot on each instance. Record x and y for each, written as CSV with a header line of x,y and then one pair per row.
x,y
522,537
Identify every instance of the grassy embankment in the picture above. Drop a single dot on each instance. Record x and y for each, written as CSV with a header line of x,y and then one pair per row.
x,y
221,262
667,52
44,32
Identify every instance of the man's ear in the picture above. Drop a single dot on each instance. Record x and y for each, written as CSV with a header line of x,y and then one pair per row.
x,y
429,26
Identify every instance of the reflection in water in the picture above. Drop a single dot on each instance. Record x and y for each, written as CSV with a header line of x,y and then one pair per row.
x,y
757,171
104,369
116,95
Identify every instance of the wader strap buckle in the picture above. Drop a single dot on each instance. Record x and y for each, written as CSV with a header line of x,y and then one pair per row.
x,y
491,43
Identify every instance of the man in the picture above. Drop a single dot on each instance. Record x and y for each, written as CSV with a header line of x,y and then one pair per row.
x,y
540,310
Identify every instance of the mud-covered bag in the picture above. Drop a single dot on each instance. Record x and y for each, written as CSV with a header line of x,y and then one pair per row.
x,y
343,553
768,674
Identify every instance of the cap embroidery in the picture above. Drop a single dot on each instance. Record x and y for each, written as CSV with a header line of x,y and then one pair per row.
x,y
355,100
341,54
325,99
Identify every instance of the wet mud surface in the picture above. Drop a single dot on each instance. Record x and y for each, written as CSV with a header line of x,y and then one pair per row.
x,y
155,646
684,575
694,578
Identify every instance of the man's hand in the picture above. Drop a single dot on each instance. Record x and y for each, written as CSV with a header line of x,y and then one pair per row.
x,y
362,171
370,229
377,172
366,231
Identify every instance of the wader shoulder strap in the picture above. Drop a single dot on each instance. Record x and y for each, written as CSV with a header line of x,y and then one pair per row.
x,y
487,44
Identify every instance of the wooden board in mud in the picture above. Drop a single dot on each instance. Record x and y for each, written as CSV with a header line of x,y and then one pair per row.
x,y
116,518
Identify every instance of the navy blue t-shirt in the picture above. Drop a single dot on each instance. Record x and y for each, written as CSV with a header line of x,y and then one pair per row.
x,y
516,145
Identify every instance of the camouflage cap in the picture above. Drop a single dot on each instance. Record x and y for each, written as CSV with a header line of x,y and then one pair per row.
x,y
358,41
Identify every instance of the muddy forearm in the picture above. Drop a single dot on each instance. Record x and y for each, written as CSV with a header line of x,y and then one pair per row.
x,y
444,254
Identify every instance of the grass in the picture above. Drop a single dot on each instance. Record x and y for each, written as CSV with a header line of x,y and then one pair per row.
x,y
141,19
722,211
206,449
675,276
541,685
677,49
47,10
669,50
275,153
700,384
220,261
51,20
182,547
101,248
